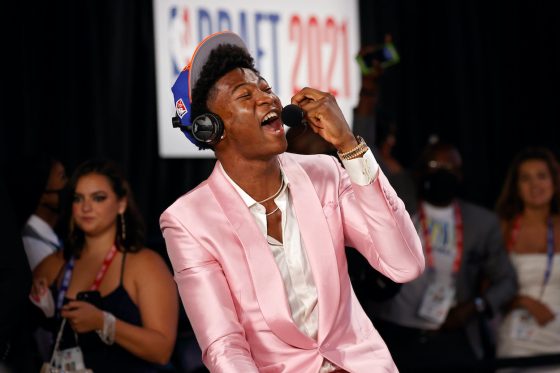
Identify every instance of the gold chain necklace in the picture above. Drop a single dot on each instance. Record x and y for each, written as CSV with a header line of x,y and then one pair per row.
x,y
275,194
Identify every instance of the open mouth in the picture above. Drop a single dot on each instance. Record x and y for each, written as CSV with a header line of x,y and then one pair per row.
x,y
271,122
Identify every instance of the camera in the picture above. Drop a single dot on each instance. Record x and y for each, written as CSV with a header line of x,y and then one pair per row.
x,y
387,56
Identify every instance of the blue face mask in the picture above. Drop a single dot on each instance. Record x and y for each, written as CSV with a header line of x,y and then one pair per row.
x,y
439,187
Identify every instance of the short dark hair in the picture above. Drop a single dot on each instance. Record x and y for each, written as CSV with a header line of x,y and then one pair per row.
x,y
75,239
222,60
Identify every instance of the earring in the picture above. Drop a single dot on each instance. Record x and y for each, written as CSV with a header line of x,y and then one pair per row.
x,y
123,228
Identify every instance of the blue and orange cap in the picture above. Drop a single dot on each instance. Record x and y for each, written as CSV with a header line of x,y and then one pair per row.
x,y
186,81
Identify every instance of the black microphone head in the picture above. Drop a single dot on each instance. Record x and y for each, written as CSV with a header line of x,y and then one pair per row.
x,y
292,116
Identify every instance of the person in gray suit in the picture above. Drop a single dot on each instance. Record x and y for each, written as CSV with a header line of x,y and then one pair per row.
x,y
439,318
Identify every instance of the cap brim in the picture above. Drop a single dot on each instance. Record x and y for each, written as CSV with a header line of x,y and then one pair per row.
x,y
203,50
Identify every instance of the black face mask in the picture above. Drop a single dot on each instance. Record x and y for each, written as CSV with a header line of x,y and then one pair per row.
x,y
440,187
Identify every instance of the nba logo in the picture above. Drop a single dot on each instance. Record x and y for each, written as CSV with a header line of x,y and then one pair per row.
x,y
181,41
181,109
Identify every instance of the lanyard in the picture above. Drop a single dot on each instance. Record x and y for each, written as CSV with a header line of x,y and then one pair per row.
x,y
106,262
68,275
458,237
549,246
65,282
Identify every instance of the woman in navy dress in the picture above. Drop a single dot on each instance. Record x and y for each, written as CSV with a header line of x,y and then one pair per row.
x,y
130,324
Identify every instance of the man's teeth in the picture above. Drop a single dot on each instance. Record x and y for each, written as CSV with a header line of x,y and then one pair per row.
x,y
269,117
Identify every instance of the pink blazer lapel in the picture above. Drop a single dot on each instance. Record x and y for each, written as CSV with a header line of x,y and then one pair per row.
x,y
265,274
320,252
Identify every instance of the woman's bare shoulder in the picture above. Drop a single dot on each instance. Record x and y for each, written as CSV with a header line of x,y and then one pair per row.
x,y
146,260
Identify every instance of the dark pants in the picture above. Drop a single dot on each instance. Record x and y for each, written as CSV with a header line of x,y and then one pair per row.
x,y
417,350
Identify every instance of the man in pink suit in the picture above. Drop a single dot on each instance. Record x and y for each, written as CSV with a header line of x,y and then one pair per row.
x,y
258,248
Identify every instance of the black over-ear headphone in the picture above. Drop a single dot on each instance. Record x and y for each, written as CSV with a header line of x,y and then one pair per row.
x,y
207,128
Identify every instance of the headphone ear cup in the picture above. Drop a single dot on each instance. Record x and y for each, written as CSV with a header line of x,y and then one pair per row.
x,y
207,128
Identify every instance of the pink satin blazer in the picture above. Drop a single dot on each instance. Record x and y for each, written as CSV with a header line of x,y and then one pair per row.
x,y
232,289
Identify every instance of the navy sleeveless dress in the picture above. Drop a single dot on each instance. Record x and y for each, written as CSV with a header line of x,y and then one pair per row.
x,y
103,358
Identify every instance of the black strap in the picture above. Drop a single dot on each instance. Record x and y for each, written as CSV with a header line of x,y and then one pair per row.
x,y
122,267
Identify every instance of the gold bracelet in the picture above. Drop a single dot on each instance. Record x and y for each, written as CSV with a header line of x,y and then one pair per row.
x,y
358,154
355,152
360,143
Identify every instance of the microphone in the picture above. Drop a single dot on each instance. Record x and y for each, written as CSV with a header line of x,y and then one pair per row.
x,y
292,116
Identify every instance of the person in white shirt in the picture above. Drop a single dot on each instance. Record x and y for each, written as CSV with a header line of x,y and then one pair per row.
x,y
39,238
47,177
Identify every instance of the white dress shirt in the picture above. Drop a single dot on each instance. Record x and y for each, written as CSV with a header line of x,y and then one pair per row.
x,y
290,254
44,244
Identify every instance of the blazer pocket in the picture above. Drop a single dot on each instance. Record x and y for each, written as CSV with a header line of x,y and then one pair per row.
x,y
330,208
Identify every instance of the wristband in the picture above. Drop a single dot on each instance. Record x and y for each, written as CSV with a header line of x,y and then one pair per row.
x,y
107,334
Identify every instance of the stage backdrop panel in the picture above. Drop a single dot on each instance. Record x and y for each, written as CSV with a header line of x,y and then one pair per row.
x,y
294,43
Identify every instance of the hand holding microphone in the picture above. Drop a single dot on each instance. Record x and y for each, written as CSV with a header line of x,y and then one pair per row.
x,y
323,115
293,116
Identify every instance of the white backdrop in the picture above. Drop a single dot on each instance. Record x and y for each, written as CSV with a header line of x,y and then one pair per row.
x,y
294,43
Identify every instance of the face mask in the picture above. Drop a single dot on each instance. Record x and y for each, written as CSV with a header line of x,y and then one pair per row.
x,y
440,187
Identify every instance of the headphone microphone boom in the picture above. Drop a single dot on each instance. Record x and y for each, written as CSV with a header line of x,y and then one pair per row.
x,y
293,116
208,128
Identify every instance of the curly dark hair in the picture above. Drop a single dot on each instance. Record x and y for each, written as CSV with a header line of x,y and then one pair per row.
x,y
509,203
133,242
222,60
